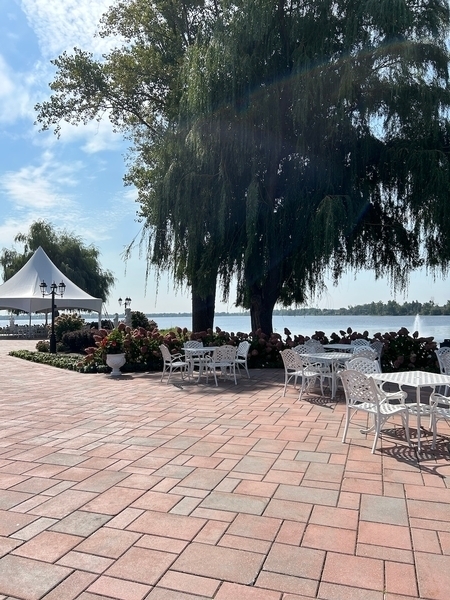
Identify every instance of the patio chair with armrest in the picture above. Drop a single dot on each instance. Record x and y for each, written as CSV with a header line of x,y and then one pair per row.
x,y
172,363
362,394
368,366
304,367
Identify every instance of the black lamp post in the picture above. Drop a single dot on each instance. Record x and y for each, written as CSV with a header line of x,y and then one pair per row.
x,y
61,289
126,302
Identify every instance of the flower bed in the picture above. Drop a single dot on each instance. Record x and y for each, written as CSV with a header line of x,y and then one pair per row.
x,y
401,350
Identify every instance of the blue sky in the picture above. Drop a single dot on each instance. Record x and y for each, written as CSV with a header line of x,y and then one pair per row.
x,y
75,182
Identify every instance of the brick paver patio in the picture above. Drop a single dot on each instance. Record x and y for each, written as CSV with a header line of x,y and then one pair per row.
x,y
130,489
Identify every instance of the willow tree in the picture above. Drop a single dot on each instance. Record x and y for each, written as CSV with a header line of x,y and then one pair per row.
x,y
326,124
277,141
138,87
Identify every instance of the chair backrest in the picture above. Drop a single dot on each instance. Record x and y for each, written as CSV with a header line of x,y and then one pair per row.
x,y
302,349
224,353
444,361
365,351
364,365
360,342
165,353
193,344
359,388
242,350
292,360
378,347
314,345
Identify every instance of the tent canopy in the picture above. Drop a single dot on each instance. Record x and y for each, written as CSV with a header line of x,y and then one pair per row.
x,y
23,292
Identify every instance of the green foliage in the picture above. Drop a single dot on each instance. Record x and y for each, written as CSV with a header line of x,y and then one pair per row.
x,y
43,346
54,360
66,250
77,341
139,319
278,142
67,322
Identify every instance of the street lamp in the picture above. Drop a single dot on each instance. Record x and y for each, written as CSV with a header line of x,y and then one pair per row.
x,y
61,289
126,302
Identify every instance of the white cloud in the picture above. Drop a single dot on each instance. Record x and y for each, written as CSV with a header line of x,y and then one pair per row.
x,y
15,99
39,189
62,24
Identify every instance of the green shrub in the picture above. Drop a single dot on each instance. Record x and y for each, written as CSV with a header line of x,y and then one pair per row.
x,y
67,322
43,346
77,341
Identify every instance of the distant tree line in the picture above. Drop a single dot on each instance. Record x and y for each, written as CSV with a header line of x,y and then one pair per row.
x,y
381,309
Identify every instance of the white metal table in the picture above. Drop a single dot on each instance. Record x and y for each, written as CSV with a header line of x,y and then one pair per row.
x,y
417,380
339,347
198,353
334,359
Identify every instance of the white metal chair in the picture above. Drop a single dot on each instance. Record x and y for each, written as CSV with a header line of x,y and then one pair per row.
x,y
378,347
242,356
362,394
313,346
300,366
440,409
443,356
360,342
368,366
223,358
192,361
366,351
172,362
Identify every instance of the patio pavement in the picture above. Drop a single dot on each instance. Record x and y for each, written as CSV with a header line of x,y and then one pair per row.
x,y
130,489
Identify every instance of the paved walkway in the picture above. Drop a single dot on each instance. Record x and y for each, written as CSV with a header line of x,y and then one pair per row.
x,y
130,490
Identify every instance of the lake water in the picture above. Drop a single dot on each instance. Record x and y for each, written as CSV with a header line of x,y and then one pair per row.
x,y
436,326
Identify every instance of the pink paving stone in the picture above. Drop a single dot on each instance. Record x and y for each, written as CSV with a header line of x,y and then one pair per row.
x,y
256,488
29,579
118,588
287,584
291,533
64,504
425,540
290,560
444,538
400,579
261,528
244,543
141,565
204,479
165,524
329,591
157,501
433,574
353,571
192,584
385,553
11,522
329,538
234,591
113,501
211,532
285,509
70,588
381,534
334,517
219,563
108,542
85,562
48,546
307,494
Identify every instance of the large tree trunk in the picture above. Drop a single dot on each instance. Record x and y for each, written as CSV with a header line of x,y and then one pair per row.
x,y
203,308
263,300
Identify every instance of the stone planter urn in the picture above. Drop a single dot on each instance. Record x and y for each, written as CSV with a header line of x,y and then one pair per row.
x,y
115,361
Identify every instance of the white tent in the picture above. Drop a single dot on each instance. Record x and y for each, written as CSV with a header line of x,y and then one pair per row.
x,y
22,291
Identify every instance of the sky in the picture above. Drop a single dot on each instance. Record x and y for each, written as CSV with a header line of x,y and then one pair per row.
x,y
75,182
